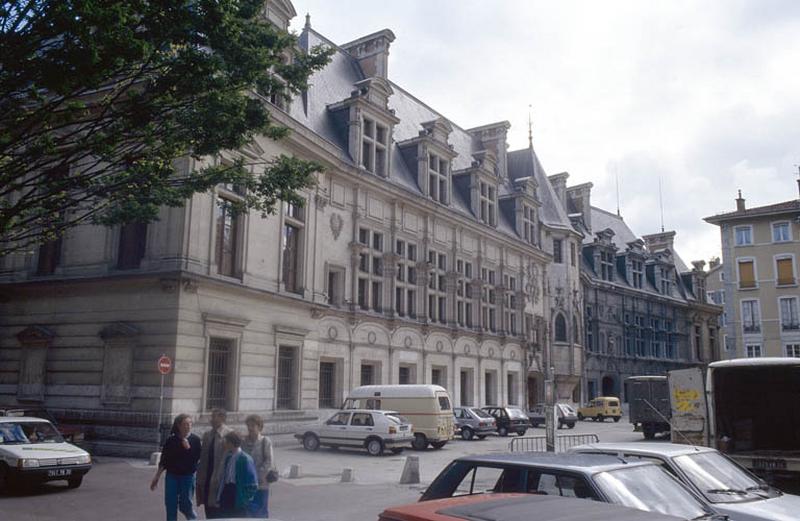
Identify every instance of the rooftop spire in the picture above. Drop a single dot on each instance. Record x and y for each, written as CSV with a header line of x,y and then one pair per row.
x,y
308,21
530,129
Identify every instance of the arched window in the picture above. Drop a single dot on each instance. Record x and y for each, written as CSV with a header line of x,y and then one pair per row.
x,y
561,328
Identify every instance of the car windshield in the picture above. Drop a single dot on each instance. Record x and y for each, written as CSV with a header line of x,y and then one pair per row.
x,y
566,409
513,412
480,413
649,488
396,418
719,479
444,403
28,432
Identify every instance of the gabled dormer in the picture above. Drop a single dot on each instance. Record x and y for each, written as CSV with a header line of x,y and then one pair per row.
x,y
479,182
369,123
661,271
494,137
634,263
604,254
430,156
521,207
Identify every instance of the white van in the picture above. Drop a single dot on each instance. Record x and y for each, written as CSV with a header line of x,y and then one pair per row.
x,y
428,407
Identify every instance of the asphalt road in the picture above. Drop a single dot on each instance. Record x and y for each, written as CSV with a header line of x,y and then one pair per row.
x,y
118,489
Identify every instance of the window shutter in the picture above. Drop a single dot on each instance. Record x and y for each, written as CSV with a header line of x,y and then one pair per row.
x,y
785,271
747,278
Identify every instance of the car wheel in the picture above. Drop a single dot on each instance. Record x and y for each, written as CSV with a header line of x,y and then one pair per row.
x,y
616,419
438,444
466,433
310,442
571,425
649,432
580,417
560,425
420,442
481,436
75,482
600,418
521,433
502,431
374,447
397,450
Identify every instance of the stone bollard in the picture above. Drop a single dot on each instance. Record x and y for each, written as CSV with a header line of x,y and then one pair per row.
x,y
294,472
155,458
410,473
348,475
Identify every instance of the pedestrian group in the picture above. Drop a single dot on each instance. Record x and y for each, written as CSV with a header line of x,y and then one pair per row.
x,y
229,475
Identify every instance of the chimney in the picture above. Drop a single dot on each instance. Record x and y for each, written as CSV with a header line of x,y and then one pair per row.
x,y
713,263
660,241
740,203
372,53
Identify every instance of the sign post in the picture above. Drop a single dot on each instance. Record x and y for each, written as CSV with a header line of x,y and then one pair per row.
x,y
549,411
164,367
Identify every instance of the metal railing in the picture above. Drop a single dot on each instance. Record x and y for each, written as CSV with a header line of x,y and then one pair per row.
x,y
562,442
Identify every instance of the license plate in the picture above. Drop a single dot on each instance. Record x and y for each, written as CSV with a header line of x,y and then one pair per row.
x,y
769,464
404,427
57,473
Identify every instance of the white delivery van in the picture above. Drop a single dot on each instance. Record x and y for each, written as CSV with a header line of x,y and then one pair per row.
x,y
427,407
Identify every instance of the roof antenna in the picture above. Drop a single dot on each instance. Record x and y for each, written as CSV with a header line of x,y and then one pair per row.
x,y
530,128
661,203
616,175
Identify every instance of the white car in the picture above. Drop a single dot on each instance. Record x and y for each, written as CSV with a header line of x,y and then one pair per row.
x,y
362,428
32,451
727,487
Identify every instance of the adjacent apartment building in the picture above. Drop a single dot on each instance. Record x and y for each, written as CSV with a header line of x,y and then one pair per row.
x,y
426,253
760,252
645,311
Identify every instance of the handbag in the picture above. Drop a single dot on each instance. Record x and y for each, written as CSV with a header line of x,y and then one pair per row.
x,y
272,474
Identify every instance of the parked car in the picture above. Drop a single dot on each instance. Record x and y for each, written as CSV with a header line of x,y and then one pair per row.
x,y
70,433
642,485
509,419
32,451
727,486
472,421
515,507
601,408
565,415
428,407
360,428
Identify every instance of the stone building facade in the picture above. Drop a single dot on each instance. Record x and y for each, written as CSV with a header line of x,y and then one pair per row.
x,y
645,311
758,280
424,254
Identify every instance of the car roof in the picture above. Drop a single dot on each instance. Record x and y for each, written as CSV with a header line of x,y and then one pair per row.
x,y
379,411
755,362
517,507
14,419
584,463
662,449
396,391
605,398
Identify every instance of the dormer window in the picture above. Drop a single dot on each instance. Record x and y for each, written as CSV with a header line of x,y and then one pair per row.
x,y
607,265
374,145
488,204
529,224
666,283
438,178
637,273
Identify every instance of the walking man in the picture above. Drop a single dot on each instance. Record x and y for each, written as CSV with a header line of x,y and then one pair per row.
x,y
209,471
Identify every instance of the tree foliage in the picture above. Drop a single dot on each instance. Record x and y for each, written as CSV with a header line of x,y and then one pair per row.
x,y
98,100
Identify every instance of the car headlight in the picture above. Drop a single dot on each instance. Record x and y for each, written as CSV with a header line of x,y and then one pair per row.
x,y
27,463
85,459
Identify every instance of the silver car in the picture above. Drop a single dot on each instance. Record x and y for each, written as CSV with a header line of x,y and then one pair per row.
x,y
473,421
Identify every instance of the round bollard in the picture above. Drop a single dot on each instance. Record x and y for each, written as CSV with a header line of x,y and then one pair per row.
x,y
410,473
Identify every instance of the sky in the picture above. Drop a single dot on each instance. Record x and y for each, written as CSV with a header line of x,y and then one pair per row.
x,y
702,98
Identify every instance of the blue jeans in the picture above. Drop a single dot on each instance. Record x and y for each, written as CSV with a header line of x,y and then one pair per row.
x,y
258,507
178,494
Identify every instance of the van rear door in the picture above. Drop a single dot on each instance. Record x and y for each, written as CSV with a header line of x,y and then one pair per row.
x,y
687,396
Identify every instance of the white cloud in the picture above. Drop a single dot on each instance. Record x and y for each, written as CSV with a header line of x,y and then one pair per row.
x,y
702,95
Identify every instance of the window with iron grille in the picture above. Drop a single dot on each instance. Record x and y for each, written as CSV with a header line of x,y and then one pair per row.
x,y
327,385
287,378
368,374
220,373
438,376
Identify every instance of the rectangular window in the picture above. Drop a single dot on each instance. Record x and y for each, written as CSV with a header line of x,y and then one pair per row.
x,y
488,204
437,287
370,270
465,387
368,374
407,374
607,265
327,385
573,256
785,271
373,147
49,257
291,257
747,274
490,387
219,376
558,253
637,273
437,178
753,350
439,376
781,232
744,235
132,241
227,243
529,224
751,319
789,314
335,288
793,350
511,389
287,378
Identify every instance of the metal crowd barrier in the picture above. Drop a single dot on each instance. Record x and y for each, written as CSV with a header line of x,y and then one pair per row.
x,y
539,443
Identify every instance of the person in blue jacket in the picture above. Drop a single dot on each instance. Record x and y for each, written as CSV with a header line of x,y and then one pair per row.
x,y
239,481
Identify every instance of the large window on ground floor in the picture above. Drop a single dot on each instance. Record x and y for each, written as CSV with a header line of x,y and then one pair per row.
x,y
329,384
220,374
793,350
370,373
465,387
490,387
439,375
288,380
407,374
512,388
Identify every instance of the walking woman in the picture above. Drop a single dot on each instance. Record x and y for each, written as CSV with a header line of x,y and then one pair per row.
x,y
238,480
179,459
259,447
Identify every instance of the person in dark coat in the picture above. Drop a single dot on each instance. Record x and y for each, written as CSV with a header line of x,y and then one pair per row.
x,y
179,458
239,481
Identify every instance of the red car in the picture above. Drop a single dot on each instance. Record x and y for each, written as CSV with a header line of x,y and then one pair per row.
x,y
516,507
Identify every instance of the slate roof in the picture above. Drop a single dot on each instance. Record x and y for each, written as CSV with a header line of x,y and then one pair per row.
x,y
336,82
784,207
602,220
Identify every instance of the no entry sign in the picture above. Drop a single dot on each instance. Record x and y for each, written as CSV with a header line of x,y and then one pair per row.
x,y
164,365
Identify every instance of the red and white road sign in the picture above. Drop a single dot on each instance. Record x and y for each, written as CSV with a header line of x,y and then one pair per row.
x,y
164,364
